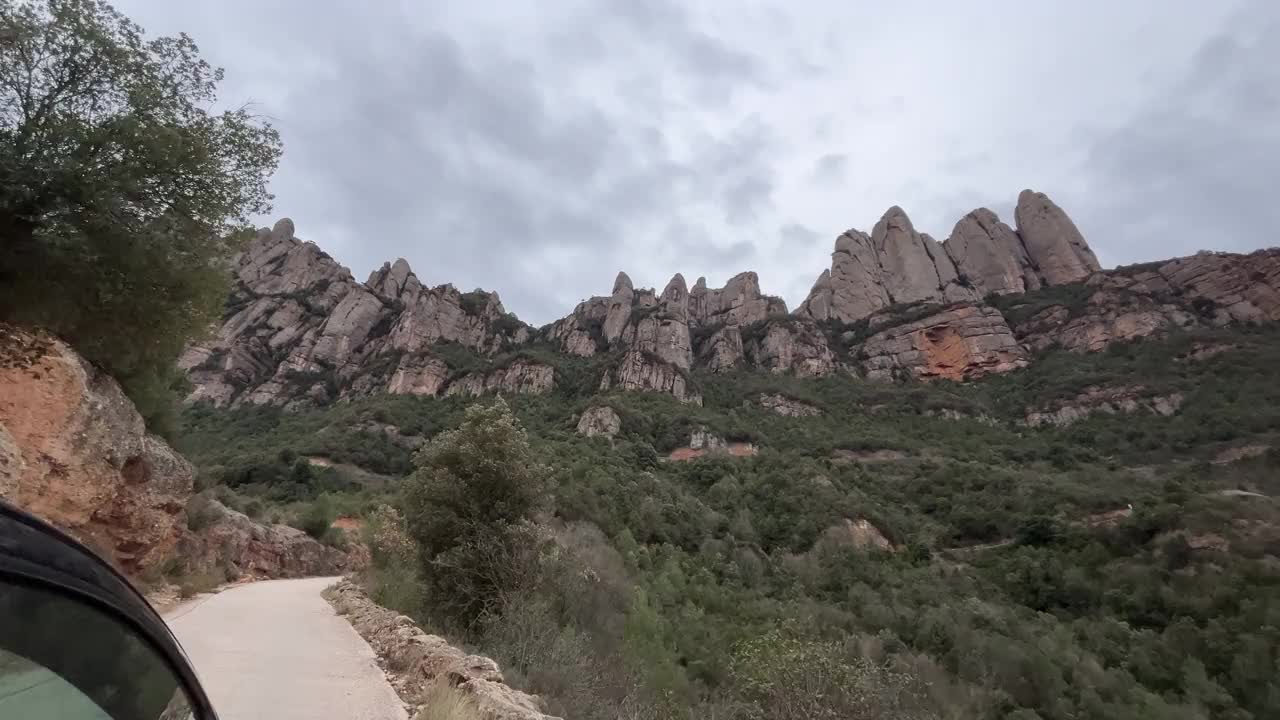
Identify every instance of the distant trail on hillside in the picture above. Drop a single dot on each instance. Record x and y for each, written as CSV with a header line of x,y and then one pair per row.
x,y
277,650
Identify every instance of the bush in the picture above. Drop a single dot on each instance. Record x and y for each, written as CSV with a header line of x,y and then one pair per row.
x,y
468,507
317,519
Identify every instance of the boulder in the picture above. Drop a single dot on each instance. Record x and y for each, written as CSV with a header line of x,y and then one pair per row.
x,y
599,420
75,452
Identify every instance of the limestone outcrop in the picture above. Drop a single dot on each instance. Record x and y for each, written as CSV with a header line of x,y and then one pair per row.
x,y
75,452
960,342
1104,400
639,370
896,265
599,420
1056,248
300,330
788,407
893,265
1128,303
521,376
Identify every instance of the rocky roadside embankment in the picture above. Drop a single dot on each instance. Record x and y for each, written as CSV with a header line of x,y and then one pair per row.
x,y
415,660
75,452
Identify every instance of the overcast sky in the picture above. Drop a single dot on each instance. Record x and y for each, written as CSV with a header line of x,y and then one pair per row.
x,y
535,148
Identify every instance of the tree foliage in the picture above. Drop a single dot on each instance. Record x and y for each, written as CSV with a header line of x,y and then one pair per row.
x,y
121,186
469,505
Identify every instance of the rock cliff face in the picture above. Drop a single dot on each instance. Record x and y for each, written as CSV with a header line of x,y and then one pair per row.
x,y
74,451
1106,400
599,420
234,544
299,329
959,343
1208,289
896,265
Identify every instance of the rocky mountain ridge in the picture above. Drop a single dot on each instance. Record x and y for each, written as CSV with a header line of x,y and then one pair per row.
x,y
300,330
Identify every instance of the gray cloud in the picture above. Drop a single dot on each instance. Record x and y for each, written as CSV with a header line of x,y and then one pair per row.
x,y
1195,167
830,168
537,151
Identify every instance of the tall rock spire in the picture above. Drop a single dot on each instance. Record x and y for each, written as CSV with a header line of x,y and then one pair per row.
x,y
1054,243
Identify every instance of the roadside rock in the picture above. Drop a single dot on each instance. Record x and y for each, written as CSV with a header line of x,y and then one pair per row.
x,y
1109,400
231,542
75,452
415,659
599,420
787,407
958,343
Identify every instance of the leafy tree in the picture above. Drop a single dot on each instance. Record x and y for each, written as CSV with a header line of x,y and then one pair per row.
x,y
121,188
469,507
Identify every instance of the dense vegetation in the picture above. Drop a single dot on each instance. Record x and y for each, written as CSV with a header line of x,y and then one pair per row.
x,y
121,189
1021,585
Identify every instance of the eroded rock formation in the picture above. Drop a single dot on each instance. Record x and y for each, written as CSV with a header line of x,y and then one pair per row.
x,y
1105,400
299,329
897,265
958,343
788,407
599,420
75,451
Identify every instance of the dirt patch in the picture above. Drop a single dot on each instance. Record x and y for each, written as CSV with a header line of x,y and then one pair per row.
x,y
349,524
685,454
1110,518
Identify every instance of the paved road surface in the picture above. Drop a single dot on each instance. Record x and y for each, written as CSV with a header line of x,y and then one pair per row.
x,y
275,650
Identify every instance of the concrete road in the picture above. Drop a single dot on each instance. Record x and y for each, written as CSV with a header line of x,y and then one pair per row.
x,y
275,650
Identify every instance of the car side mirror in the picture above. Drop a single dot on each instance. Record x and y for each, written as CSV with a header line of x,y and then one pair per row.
x,y
77,641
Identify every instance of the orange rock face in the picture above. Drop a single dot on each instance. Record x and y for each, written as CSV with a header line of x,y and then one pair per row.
x,y
957,343
78,454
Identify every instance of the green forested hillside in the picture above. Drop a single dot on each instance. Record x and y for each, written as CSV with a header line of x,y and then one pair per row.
x,y
1091,571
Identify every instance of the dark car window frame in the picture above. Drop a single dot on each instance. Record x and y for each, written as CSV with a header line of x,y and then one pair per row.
x,y
32,552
